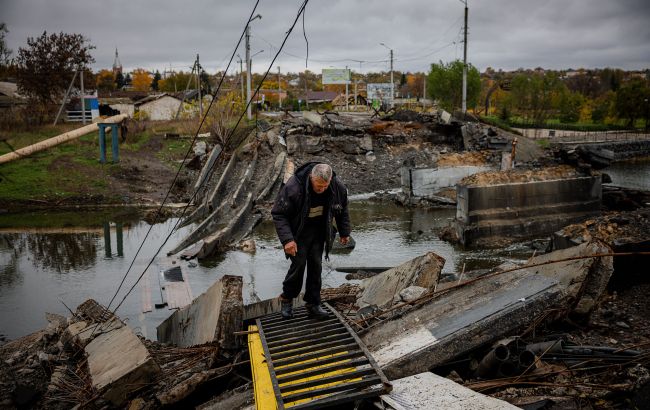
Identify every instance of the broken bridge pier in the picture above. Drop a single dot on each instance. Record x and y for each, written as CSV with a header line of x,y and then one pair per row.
x,y
524,209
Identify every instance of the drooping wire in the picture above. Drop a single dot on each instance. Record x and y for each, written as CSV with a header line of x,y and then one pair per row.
x,y
181,164
304,33
288,33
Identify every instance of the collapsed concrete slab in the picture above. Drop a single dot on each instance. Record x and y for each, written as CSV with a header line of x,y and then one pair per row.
x,y
119,363
429,391
427,182
384,288
211,317
524,209
488,309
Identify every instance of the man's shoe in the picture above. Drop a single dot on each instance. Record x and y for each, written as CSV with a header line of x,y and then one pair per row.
x,y
287,309
316,312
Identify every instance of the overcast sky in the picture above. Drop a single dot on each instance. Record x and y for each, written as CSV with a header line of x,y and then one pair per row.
x,y
505,34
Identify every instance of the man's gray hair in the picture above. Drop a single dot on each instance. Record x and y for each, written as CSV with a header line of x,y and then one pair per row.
x,y
322,171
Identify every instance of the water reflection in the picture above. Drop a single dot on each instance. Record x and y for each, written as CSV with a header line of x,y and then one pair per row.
x,y
60,252
8,258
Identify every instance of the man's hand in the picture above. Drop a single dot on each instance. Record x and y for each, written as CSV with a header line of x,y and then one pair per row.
x,y
291,248
344,240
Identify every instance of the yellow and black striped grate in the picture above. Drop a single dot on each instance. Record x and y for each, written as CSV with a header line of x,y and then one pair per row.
x,y
304,363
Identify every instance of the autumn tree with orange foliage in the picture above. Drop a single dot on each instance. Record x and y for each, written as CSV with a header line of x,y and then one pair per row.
x,y
141,79
105,80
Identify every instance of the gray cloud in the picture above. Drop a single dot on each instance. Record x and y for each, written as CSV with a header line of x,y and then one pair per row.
x,y
502,33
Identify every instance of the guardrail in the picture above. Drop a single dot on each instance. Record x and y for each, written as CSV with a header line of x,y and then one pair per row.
x,y
563,136
77,116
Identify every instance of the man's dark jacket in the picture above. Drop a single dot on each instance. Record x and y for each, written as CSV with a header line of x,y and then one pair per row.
x,y
292,207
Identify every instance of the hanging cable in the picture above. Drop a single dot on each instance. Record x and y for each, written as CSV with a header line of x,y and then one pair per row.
x,y
288,33
304,33
181,165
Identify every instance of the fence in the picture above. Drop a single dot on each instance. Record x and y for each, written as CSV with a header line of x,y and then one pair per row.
x,y
563,136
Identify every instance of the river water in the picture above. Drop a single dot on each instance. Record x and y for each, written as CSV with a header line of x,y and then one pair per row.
x,y
630,174
49,262
52,260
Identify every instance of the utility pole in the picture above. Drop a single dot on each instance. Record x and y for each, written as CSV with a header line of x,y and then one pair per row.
x,y
187,87
279,89
198,85
306,96
241,76
249,114
248,66
464,107
347,81
83,99
392,82
65,97
424,87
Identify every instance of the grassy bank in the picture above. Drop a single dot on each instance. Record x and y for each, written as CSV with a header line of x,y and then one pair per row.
x,y
72,173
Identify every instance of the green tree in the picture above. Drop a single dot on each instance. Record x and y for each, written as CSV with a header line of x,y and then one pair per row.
x,y
445,81
206,87
603,107
174,82
156,78
45,68
569,106
533,95
119,81
631,99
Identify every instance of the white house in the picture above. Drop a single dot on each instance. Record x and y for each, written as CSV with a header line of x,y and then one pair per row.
x,y
159,107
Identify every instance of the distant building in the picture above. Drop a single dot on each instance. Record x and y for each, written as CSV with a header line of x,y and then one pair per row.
x,y
159,107
117,65
317,97
9,96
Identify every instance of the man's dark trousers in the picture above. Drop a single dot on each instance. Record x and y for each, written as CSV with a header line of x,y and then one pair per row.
x,y
311,243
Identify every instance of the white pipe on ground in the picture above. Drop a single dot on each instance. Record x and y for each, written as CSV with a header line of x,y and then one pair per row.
x,y
59,139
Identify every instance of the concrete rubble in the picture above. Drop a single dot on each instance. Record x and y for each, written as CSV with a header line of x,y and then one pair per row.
x,y
239,182
214,316
118,362
483,333
385,288
429,391
459,319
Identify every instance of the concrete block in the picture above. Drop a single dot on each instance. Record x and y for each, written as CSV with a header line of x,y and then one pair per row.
x,y
458,321
313,117
426,182
211,317
524,209
307,144
383,289
119,363
429,391
484,311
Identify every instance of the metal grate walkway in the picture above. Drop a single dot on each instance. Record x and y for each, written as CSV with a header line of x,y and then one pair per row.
x,y
304,363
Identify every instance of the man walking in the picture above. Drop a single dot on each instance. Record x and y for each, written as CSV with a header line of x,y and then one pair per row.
x,y
302,214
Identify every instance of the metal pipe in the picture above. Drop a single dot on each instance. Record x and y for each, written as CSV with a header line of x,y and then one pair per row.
x,y
491,362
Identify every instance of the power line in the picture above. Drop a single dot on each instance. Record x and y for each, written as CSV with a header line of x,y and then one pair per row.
x,y
172,185
288,33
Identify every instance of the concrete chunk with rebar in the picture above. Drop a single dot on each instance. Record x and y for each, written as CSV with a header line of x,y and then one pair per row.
x,y
214,316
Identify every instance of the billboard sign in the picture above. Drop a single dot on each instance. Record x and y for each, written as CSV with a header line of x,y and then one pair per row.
x,y
378,91
336,76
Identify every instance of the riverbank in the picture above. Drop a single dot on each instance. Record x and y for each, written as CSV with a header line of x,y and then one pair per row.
x,y
71,174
